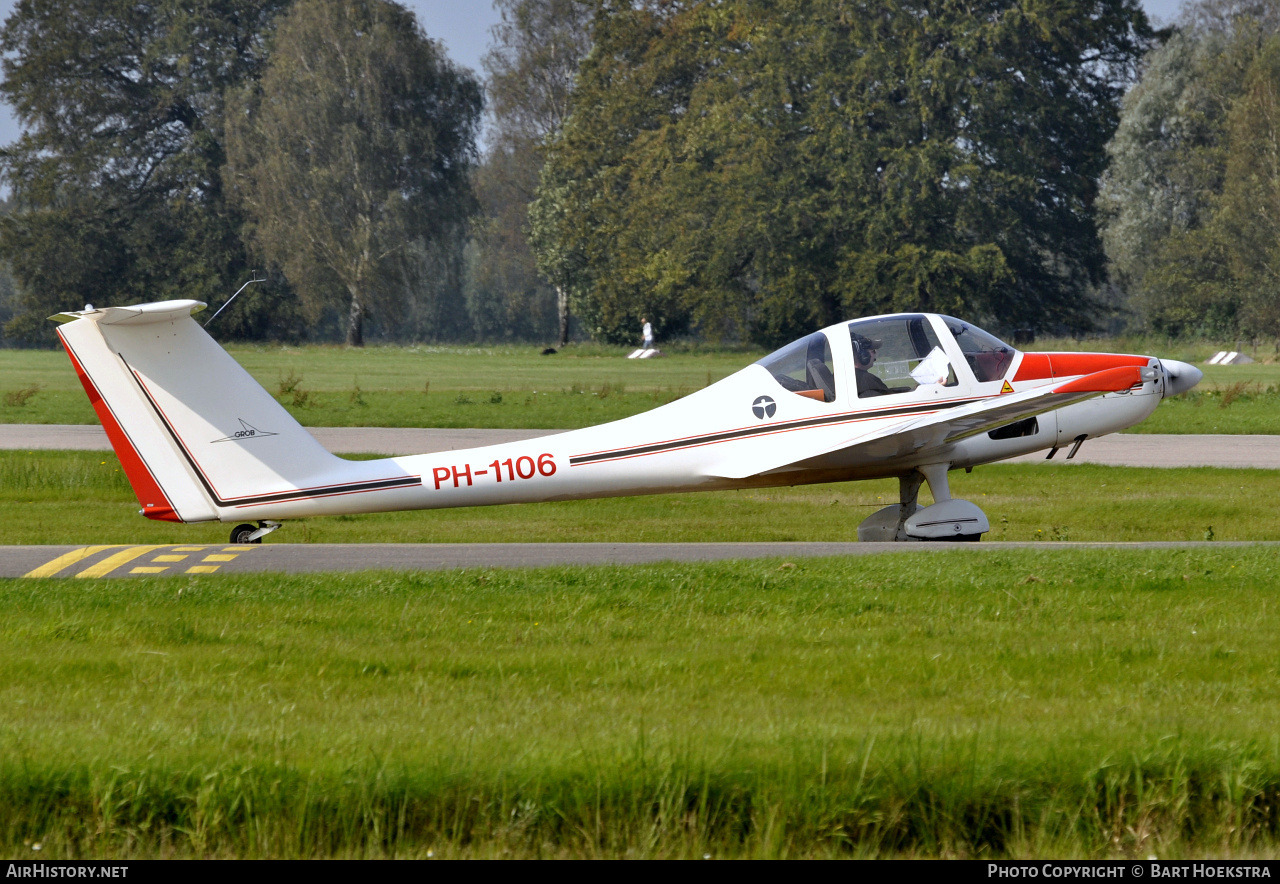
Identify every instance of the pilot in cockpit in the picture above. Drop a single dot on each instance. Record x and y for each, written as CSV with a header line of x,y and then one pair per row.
x,y
864,356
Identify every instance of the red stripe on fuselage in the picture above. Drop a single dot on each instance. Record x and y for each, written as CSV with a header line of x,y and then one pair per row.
x,y
1042,366
155,504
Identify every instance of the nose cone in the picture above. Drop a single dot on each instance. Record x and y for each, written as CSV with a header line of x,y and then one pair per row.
x,y
1179,376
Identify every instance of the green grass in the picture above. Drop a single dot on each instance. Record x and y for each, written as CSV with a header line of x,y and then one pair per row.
x,y
1055,702
500,387
1230,403
83,497
515,387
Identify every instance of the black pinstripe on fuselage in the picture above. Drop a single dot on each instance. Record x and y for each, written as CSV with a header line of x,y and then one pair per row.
x,y
578,460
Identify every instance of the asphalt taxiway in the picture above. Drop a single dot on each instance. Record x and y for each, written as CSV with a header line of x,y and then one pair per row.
x,y
95,562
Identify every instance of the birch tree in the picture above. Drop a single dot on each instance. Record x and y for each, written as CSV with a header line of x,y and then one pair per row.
x,y
353,150
531,66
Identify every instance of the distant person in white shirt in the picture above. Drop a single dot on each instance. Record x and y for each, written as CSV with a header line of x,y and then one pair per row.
x,y
647,333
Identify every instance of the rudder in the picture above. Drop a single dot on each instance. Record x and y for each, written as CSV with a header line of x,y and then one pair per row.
x,y
197,436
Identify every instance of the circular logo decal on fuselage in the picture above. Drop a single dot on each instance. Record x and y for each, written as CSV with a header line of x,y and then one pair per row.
x,y
763,407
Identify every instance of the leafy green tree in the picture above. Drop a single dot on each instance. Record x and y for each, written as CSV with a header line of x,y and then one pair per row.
x,y
115,183
1224,17
531,69
1149,188
8,288
1249,215
506,297
1189,196
1220,275
767,166
351,157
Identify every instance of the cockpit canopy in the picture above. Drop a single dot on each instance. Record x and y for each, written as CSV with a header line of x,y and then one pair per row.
x,y
805,367
896,354
987,355
890,355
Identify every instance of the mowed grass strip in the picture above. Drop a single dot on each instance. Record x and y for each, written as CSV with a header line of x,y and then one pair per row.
x,y
61,497
499,387
1028,703
515,387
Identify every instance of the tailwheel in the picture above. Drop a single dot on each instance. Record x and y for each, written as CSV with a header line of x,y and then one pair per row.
x,y
250,534
244,534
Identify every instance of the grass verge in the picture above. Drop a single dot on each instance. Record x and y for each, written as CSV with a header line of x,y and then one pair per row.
x,y
1051,702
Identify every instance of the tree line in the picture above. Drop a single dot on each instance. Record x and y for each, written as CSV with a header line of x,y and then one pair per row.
x,y
739,170
1191,198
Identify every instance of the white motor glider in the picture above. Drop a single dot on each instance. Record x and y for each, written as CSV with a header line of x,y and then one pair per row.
x,y
911,396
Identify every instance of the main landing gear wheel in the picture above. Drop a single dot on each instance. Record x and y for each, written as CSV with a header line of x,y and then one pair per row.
x,y
947,519
242,533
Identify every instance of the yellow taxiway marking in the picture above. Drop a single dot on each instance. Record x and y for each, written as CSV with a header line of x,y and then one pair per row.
x,y
127,554
110,563
66,559
228,554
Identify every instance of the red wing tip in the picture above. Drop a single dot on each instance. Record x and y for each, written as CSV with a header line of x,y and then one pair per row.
x,y
1112,380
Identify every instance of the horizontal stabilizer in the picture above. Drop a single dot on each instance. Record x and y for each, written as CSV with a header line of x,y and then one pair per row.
x,y
137,314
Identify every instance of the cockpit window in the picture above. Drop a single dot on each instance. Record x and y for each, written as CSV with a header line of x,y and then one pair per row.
x,y
897,355
805,368
987,355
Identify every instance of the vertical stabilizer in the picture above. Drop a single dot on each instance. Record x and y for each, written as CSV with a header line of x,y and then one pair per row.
x,y
197,436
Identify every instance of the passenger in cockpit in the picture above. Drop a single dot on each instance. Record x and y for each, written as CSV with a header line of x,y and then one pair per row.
x,y
864,356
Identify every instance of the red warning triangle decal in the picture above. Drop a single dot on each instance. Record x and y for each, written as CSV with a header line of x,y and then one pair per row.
x,y
1007,388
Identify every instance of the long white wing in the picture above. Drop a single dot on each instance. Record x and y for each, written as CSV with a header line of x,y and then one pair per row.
x,y
919,434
